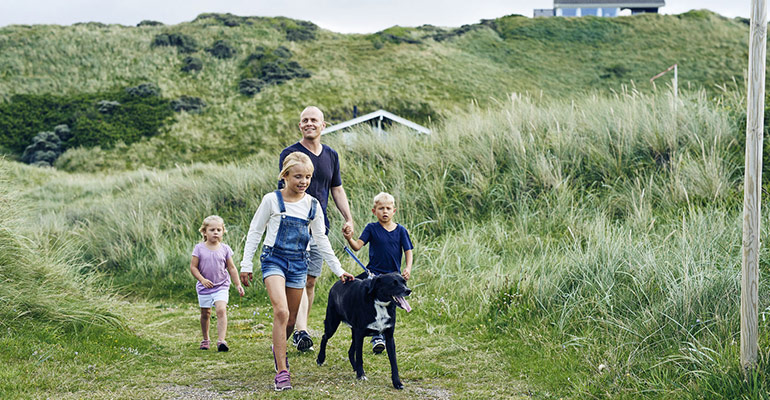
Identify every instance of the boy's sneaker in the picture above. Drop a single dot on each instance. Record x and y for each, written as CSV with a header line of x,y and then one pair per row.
x,y
378,345
282,381
205,344
302,340
222,346
275,362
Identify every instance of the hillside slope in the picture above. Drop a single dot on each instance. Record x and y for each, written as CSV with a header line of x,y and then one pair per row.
x,y
420,73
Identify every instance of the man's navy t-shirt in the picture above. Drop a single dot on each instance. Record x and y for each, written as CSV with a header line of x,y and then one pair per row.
x,y
326,173
385,247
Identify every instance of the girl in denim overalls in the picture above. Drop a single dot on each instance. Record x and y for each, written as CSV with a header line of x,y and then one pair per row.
x,y
291,217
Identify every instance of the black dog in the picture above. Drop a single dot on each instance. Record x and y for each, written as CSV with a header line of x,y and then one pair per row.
x,y
368,306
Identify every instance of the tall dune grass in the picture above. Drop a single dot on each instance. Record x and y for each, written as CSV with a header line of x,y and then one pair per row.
x,y
45,281
608,225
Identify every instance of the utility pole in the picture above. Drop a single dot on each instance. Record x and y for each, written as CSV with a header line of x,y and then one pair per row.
x,y
752,189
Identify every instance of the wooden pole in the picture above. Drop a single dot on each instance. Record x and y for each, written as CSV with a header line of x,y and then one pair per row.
x,y
752,189
676,82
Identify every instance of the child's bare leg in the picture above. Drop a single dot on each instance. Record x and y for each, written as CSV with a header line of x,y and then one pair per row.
x,y
293,298
307,302
221,320
276,289
205,322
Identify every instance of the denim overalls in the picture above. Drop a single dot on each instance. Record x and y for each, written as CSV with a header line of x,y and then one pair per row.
x,y
288,255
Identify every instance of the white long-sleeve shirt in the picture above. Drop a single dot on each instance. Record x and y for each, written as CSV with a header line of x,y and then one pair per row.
x,y
268,216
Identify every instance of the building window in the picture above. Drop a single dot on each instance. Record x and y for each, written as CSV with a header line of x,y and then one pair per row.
x,y
569,12
609,12
589,11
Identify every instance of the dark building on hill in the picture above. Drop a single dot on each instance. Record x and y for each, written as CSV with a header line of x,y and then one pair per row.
x,y
599,8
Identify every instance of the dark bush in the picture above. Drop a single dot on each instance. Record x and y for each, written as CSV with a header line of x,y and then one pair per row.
x,y
25,115
444,35
395,34
107,106
191,63
298,31
144,90
46,147
250,86
225,19
148,22
183,43
190,104
63,132
271,68
221,49
282,52
280,71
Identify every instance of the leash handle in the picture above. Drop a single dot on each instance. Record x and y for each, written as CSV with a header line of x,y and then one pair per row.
x,y
350,252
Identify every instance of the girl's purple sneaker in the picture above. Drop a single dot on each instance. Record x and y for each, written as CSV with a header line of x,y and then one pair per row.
x,y
282,381
205,344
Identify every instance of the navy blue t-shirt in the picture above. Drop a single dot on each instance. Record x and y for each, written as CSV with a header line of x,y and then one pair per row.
x,y
385,247
326,173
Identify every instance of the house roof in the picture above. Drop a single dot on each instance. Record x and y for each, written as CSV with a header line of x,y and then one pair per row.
x,y
375,115
610,3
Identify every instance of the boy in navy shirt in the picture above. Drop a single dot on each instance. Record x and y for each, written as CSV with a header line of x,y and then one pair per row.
x,y
386,241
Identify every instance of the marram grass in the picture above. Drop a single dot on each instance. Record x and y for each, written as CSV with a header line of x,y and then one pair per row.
x,y
565,235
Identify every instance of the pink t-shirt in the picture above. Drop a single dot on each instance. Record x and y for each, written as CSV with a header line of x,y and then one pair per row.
x,y
213,266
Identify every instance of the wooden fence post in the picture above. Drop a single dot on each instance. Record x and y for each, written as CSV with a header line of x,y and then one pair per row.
x,y
752,188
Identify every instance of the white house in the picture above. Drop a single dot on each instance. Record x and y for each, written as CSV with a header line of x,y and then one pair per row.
x,y
599,8
379,120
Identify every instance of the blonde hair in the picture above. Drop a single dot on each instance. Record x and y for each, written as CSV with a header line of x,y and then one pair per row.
x,y
207,221
294,159
384,197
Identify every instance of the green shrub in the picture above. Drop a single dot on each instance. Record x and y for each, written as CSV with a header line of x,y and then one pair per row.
x,y
395,35
221,49
270,67
191,63
188,103
148,22
107,106
125,117
45,149
184,43
250,86
144,90
224,19
299,31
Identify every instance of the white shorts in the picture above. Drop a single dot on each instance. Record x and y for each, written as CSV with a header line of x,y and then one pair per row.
x,y
208,300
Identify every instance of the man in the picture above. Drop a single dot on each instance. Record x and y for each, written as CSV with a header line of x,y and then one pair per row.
x,y
326,179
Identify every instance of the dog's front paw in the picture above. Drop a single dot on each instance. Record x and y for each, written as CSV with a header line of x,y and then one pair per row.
x,y
398,385
320,360
362,378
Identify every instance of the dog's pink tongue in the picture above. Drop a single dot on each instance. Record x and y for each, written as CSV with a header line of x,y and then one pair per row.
x,y
403,303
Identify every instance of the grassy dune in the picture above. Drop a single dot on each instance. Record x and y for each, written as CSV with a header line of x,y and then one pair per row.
x,y
442,69
572,248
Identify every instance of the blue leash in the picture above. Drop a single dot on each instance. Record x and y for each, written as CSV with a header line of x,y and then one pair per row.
x,y
350,252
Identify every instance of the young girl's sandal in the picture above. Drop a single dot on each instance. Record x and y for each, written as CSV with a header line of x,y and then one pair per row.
x,y
222,346
205,344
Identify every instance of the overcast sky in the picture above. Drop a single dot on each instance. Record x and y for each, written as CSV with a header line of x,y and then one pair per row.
x,y
346,16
